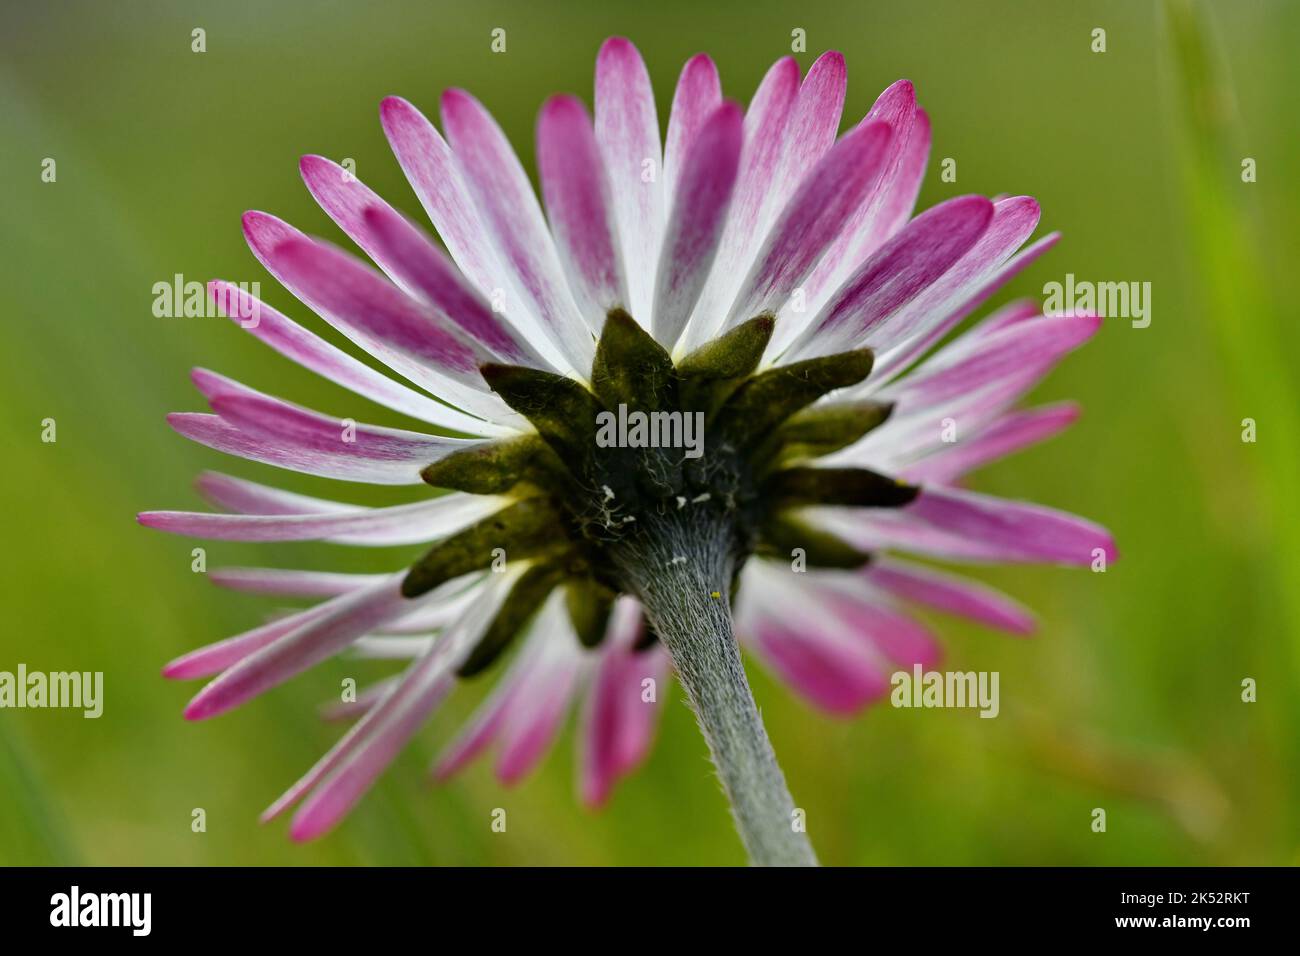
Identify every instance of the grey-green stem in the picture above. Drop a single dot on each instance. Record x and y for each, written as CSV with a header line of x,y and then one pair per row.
x,y
681,569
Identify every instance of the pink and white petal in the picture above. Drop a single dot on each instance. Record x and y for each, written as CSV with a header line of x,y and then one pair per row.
x,y
1004,437
913,432
216,657
547,680
627,129
290,583
811,220
312,352
580,208
295,427
897,359
1010,314
508,209
897,275
837,677
696,224
949,375
950,593
618,724
968,284
893,203
524,711
812,127
407,336
436,178
867,614
454,599
249,497
422,521
344,620
480,732
413,262
698,95
807,645
219,434
760,159
374,314
345,199
340,778
880,215
427,274
951,523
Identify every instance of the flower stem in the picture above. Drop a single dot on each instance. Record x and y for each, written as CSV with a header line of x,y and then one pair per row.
x,y
681,571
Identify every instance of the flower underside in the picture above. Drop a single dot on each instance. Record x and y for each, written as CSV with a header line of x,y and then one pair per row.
x,y
578,500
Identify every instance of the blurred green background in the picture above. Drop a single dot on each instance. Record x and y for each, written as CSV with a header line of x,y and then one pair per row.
x,y
1128,699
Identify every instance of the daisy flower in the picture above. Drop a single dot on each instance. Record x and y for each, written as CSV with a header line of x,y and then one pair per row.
x,y
754,273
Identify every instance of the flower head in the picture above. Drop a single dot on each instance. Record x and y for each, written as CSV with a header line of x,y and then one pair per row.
x,y
721,344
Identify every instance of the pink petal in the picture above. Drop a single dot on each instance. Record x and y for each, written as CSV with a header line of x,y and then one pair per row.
x,y
436,178
310,351
216,433
340,778
1036,343
947,522
221,435
347,618
425,272
248,497
698,217
698,95
627,129
950,593
813,124
618,724
481,731
969,283
415,523
374,314
578,204
760,159
216,657
892,204
812,219
394,454
533,723
916,429
386,322
1006,436
835,676
901,640
880,215
345,199
790,621
893,277
524,713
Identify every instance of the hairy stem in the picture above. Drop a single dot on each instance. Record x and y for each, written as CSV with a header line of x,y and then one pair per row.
x,y
681,570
